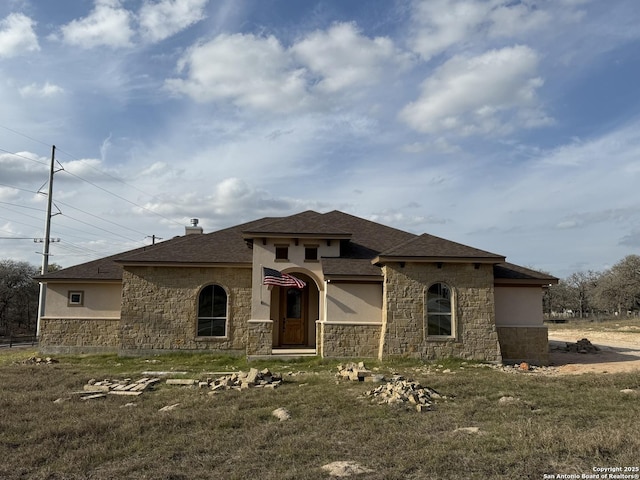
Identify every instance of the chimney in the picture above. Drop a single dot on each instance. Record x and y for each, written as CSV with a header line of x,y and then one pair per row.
x,y
194,228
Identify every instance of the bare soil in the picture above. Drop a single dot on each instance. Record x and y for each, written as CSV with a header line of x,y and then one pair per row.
x,y
619,350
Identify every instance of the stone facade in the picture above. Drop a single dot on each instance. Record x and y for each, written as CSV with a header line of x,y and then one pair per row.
x,y
259,337
524,344
159,309
359,340
79,335
404,318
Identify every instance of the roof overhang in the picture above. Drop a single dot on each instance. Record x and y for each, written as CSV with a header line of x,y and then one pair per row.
x,y
321,236
525,282
125,263
383,259
354,278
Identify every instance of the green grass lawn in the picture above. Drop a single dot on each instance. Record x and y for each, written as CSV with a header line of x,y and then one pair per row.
x,y
562,425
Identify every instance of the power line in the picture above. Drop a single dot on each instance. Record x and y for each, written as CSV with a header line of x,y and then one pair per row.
x,y
22,156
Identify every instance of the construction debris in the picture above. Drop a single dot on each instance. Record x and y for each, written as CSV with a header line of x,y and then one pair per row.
x,y
404,392
99,389
39,361
358,373
581,346
234,381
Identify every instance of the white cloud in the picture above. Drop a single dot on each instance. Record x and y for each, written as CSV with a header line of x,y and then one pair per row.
x,y
441,24
17,35
343,58
470,95
165,18
43,91
248,70
108,24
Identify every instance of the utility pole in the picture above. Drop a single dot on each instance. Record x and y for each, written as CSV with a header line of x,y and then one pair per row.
x,y
47,239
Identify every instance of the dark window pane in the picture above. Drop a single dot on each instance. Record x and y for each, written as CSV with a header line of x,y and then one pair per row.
x,y
212,311
282,253
205,302
439,310
311,253
294,303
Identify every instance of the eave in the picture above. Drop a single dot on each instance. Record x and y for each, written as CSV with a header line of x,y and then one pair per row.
x,y
380,259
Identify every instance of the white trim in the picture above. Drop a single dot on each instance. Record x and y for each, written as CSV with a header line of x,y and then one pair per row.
x,y
63,317
258,320
333,322
520,326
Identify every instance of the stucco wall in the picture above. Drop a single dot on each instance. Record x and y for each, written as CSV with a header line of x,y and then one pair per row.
x,y
354,302
264,255
101,300
404,323
519,306
159,308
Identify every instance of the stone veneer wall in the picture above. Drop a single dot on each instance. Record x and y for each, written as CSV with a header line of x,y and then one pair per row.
x,y
404,320
159,309
359,340
525,344
260,337
79,335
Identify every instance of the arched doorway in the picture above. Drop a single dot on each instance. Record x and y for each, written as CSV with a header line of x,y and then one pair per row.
x,y
294,312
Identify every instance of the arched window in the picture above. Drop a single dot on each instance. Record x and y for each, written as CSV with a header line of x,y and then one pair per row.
x,y
439,310
212,312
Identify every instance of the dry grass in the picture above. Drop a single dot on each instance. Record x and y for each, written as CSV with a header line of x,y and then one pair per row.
x,y
562,425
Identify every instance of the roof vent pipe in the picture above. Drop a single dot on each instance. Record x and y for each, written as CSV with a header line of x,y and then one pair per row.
x,y
194,228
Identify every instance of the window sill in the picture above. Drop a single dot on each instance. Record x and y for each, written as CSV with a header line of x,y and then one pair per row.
x,y
211,339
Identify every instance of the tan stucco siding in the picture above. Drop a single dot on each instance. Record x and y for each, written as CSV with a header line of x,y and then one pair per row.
x,y
519,306
354,303
264,256
100,300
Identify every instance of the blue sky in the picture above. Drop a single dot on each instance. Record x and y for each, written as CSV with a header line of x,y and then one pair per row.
x,y
508,126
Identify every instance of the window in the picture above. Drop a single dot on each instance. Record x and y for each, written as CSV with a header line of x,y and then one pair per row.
x,y
212,312
282,253
310,253
75,298
439,311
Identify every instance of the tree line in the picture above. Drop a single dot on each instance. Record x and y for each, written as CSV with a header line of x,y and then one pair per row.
x,y
612,292
19,294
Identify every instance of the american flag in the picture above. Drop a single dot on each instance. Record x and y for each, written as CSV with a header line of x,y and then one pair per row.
x,y
279,279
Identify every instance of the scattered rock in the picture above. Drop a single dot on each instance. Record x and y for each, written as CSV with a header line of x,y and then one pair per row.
x,y
404,392
168,408
281,414
39,361
358,373
509,401
467,430
93,387
629,391
345,469
581,346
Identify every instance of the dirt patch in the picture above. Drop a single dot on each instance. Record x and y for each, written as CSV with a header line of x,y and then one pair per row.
x,y
619,351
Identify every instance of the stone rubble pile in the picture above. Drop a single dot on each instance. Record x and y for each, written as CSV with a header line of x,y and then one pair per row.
x,y
358,373
404,392
100,389
581,346
234,381
40,361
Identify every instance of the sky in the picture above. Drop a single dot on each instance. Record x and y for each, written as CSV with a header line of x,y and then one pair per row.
x,y
510,126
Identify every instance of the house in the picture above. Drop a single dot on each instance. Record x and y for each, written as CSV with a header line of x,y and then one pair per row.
x,y
368,290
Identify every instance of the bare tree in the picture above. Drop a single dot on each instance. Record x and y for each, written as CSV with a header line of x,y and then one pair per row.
x,y
18,296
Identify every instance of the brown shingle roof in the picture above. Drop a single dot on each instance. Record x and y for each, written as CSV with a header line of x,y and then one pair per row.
x,y
368,241
509,273
302,224
428,246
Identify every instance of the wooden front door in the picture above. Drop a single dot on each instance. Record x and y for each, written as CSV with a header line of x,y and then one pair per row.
x,y
294,316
